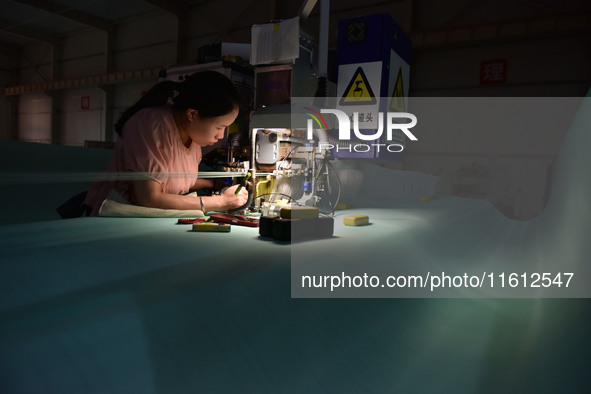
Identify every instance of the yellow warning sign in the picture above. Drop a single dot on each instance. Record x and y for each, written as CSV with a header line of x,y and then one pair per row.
x,y
358,92
397,101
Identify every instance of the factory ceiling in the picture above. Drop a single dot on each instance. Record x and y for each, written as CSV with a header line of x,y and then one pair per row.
x,y
47,20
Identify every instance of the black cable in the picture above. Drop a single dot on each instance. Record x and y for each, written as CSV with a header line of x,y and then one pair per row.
x,y
339,183
326,162
327,193
246,205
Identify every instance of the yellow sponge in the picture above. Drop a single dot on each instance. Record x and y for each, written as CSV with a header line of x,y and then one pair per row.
x,y
356,220
298,213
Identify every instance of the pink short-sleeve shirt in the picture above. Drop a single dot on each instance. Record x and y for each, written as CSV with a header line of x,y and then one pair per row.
x,y
150,147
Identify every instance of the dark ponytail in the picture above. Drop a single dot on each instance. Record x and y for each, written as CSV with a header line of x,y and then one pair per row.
x,y
155,97
209,92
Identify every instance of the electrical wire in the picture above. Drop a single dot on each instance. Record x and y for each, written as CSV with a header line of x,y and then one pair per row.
x,y
339,184
286,156
326,162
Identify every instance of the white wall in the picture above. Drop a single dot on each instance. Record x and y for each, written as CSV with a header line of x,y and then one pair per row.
x,y
515,179
498,148
34,118
33,65
535,67
140,43
80,124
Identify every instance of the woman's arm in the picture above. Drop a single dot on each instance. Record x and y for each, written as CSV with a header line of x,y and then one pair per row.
x,y
203,184
149,194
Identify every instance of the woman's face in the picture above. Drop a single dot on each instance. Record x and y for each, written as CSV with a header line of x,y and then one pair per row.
x,y
208,131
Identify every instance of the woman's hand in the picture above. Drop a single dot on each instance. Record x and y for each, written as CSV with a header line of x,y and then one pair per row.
x,y
231,200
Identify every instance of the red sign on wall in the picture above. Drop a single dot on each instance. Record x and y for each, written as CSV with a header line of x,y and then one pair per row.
x,y
85,102
493,72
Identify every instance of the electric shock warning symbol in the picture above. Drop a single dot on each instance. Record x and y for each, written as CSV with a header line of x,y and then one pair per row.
x,y
397,101
358,92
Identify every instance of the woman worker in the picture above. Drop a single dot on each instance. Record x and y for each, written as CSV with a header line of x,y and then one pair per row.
x,y
160,140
